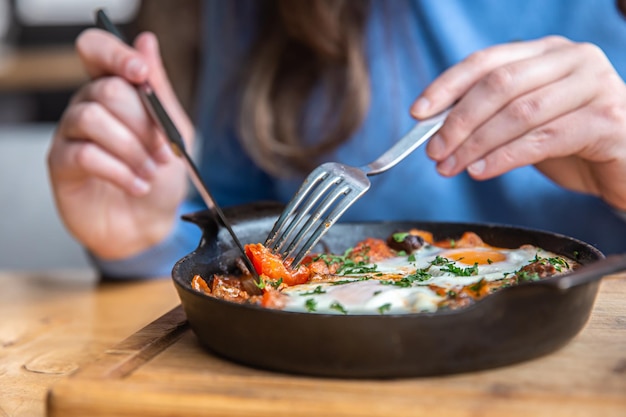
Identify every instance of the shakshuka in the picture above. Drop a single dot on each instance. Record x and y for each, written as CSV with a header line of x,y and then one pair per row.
x,y
409,272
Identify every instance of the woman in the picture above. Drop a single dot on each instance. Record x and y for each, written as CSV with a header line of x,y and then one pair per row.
x,y
537,136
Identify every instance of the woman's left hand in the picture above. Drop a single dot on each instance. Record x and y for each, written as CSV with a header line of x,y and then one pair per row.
x,y
552,103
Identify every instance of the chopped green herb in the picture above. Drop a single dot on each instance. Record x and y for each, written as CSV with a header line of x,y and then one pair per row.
x,y
449,266
348,281
260,284
348,266
401,253
376,293
557,262
399,237
317,290
384,308
310,305
478,286
338,307
440,260
411,258
523,276
418,276
277,283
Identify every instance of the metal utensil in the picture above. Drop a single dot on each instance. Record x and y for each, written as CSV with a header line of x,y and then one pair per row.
x,y
330,189
162,119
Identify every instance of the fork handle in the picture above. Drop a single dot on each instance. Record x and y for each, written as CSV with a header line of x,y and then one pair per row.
x,y
411,141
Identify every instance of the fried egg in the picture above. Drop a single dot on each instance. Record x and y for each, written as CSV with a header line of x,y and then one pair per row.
x,y
409,283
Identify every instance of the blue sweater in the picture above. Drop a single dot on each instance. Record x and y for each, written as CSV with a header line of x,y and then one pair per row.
x,y
408,44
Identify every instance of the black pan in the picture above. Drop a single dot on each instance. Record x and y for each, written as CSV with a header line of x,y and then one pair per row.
x,y
515,324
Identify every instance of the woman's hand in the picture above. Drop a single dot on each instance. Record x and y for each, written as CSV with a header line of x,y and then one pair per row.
x,y
553,103
116,183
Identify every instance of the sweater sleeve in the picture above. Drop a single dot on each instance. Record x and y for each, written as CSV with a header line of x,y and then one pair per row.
x,y
158,260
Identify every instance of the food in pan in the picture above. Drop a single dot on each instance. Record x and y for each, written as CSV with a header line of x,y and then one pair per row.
x,y
409,272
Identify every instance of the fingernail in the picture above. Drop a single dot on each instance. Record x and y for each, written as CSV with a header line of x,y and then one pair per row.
x,y
136,68
436,147
477,167
149,169
447,165
420,107
140,187
163,154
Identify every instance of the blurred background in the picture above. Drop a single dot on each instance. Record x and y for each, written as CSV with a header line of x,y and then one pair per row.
x,y
39,72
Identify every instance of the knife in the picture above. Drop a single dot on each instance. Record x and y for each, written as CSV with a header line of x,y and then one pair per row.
x,y
162,119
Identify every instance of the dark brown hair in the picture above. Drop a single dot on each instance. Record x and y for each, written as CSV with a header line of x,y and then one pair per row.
x,y
303,47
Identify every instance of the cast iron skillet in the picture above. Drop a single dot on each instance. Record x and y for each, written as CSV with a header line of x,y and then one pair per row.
x,y
512,325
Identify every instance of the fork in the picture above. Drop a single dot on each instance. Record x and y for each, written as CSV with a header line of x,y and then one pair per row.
x,y
330,189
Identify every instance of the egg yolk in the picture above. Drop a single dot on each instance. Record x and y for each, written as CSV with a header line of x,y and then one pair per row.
x,y
471,257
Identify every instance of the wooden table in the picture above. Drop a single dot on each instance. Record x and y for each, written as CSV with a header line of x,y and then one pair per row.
x,y
51,68
51,324
64,333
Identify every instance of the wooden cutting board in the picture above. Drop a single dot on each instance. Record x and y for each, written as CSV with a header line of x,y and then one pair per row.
x,y
163,371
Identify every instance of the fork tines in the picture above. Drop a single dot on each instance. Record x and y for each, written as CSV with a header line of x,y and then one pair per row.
x,y
323,197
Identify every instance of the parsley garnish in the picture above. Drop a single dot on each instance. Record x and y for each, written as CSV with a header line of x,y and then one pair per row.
x,y
399,237
348,281
439,260
449,266
477,286
411,258
276,284
419,275
317,290
347,265
338,307
557,262
384,308
524,276
310,305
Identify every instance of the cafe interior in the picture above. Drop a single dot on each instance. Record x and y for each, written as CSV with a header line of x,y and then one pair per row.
x,y
74,345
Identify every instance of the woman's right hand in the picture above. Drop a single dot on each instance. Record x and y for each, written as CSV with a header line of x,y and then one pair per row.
x,y
115,181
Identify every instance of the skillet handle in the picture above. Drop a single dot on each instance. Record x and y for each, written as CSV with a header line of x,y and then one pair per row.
x,y
590,273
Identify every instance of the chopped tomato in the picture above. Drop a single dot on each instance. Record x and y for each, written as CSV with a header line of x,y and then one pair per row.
x,y
199,284
371,250
468,240
273,267
273,299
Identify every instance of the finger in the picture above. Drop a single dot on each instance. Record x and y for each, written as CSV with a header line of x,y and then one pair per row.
x,y
104,54
91,121
497,89
122,100
89,160
456,81
558,138
518,117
